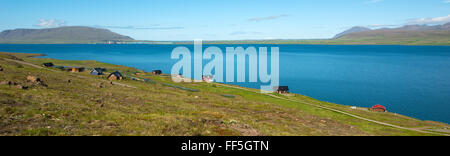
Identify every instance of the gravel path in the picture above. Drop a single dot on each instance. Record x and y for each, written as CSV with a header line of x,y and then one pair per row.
x,y
274,96
338,111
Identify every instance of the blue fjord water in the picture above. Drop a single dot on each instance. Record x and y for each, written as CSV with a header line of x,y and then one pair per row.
x,y
410,80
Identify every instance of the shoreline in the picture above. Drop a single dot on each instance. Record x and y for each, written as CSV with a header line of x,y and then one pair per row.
x,y
340,109
37,55
224,43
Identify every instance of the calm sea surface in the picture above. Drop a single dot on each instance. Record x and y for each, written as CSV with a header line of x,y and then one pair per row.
x,y
410,80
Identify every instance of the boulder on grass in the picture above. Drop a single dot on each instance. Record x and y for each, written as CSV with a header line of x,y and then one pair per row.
x,y
33,79
21,87
1,68
42,84
8,83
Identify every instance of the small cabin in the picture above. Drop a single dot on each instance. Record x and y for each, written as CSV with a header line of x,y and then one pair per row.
x,y
115,76
97,71
207,78
378,108
47,64
157,72
74,69
281,89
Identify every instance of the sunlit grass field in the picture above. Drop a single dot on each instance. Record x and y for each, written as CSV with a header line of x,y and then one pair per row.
x,y
83,104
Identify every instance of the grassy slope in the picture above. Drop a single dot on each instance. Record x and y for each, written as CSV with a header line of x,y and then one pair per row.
x,y
84,108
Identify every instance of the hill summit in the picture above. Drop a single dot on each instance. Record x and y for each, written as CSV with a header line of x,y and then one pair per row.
x,y
405,31
67,34
352,30
405,35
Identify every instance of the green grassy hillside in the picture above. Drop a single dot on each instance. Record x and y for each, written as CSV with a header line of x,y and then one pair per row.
x,y
66,103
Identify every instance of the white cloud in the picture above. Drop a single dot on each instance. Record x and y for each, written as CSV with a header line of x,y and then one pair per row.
x,y
446,1
433,20
268,18
50,23
380,25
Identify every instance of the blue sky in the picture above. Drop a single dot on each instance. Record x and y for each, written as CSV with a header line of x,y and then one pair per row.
x,y
224,19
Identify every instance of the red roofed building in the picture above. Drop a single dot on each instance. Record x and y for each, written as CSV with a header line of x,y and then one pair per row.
x,y
378,108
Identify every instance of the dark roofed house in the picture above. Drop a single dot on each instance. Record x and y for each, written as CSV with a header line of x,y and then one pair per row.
x,y
281,89
97,71
157,72
48,64
115,76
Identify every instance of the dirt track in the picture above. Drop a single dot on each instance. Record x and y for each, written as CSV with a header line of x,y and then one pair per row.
x,y
300,102
341,112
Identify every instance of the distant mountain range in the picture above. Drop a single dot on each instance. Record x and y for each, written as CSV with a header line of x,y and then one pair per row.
x,y
358,30
352,30
409,34
72,34
406,35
